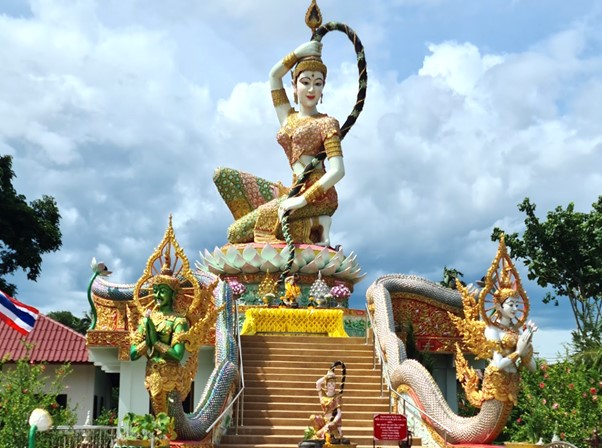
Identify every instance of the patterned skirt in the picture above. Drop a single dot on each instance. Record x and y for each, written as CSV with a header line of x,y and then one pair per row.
x,y
254,204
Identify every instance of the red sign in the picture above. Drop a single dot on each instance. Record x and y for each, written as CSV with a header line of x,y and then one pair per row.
x,y
390,427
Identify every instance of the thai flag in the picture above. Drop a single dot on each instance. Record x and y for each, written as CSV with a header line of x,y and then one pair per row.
x,y
17,315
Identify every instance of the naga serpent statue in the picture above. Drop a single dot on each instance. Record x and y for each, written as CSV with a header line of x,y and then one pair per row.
x,y
172,311
492,329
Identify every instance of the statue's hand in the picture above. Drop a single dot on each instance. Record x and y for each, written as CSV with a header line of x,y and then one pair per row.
x,y
311,48
291,204
524,342
151,332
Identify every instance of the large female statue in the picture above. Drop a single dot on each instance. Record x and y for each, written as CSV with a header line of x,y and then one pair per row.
x,y
258,205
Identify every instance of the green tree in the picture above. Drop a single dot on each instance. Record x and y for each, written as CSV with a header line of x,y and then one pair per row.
x,y
67,318
450,275
564,252
25,386
27,230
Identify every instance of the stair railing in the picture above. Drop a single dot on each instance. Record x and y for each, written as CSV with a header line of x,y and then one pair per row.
x,y
239,399
384,375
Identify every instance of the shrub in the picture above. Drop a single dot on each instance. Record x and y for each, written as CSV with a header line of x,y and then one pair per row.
x,y
25,386
564,396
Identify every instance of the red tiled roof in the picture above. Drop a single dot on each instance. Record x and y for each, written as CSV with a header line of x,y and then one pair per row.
x,y
52,342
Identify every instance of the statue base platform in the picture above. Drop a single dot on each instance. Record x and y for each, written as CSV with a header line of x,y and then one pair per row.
x,y
286,320
323,444
190,444
142,443
248,268
250,264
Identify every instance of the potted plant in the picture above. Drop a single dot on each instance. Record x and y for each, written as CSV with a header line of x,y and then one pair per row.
x,y
145,430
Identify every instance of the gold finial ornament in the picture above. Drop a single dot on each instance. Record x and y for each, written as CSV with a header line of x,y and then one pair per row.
x,y
502,282
313,16
166,276
268,288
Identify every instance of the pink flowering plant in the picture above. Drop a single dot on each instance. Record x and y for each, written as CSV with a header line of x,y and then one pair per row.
x,y
564,396
238,289
340,291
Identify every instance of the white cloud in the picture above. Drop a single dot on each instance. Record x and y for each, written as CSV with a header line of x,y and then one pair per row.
x,y
457,66
122,112
551,344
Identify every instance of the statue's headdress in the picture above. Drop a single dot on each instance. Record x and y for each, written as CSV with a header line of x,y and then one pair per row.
x,y
168,265
506,288
313,19
166,276
310,63
502,281
331,377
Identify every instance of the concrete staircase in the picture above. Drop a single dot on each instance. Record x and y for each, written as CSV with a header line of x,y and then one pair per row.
x,y
280,393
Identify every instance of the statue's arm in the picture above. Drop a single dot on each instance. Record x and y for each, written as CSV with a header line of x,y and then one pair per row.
x,y
498,360
524,347
139,345
151,332
334,174
504,362
319,385
176,351
523,352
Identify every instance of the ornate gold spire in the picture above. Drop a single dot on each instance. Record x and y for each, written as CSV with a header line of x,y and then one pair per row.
x,y
313,16
501,282
169,265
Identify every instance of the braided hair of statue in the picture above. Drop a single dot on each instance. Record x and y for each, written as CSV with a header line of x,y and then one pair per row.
x,y
343,374
351,119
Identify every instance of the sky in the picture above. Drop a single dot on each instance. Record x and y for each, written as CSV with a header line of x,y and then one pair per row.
x,y
122,109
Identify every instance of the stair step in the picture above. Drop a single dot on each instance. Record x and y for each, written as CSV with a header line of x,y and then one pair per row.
x,y
313,372
290,440
278,381
320,340
281,397
269,410
296,445
299,359
254,420
303,350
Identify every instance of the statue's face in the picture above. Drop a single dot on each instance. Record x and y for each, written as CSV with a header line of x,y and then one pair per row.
x,y
309,88
163,295
510,308
330,388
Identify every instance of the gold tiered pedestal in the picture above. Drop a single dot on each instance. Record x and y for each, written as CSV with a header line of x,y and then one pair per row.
x,y
284,320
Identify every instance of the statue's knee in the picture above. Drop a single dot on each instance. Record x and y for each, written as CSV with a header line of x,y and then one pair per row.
x,y
219,173
238,234
233,234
